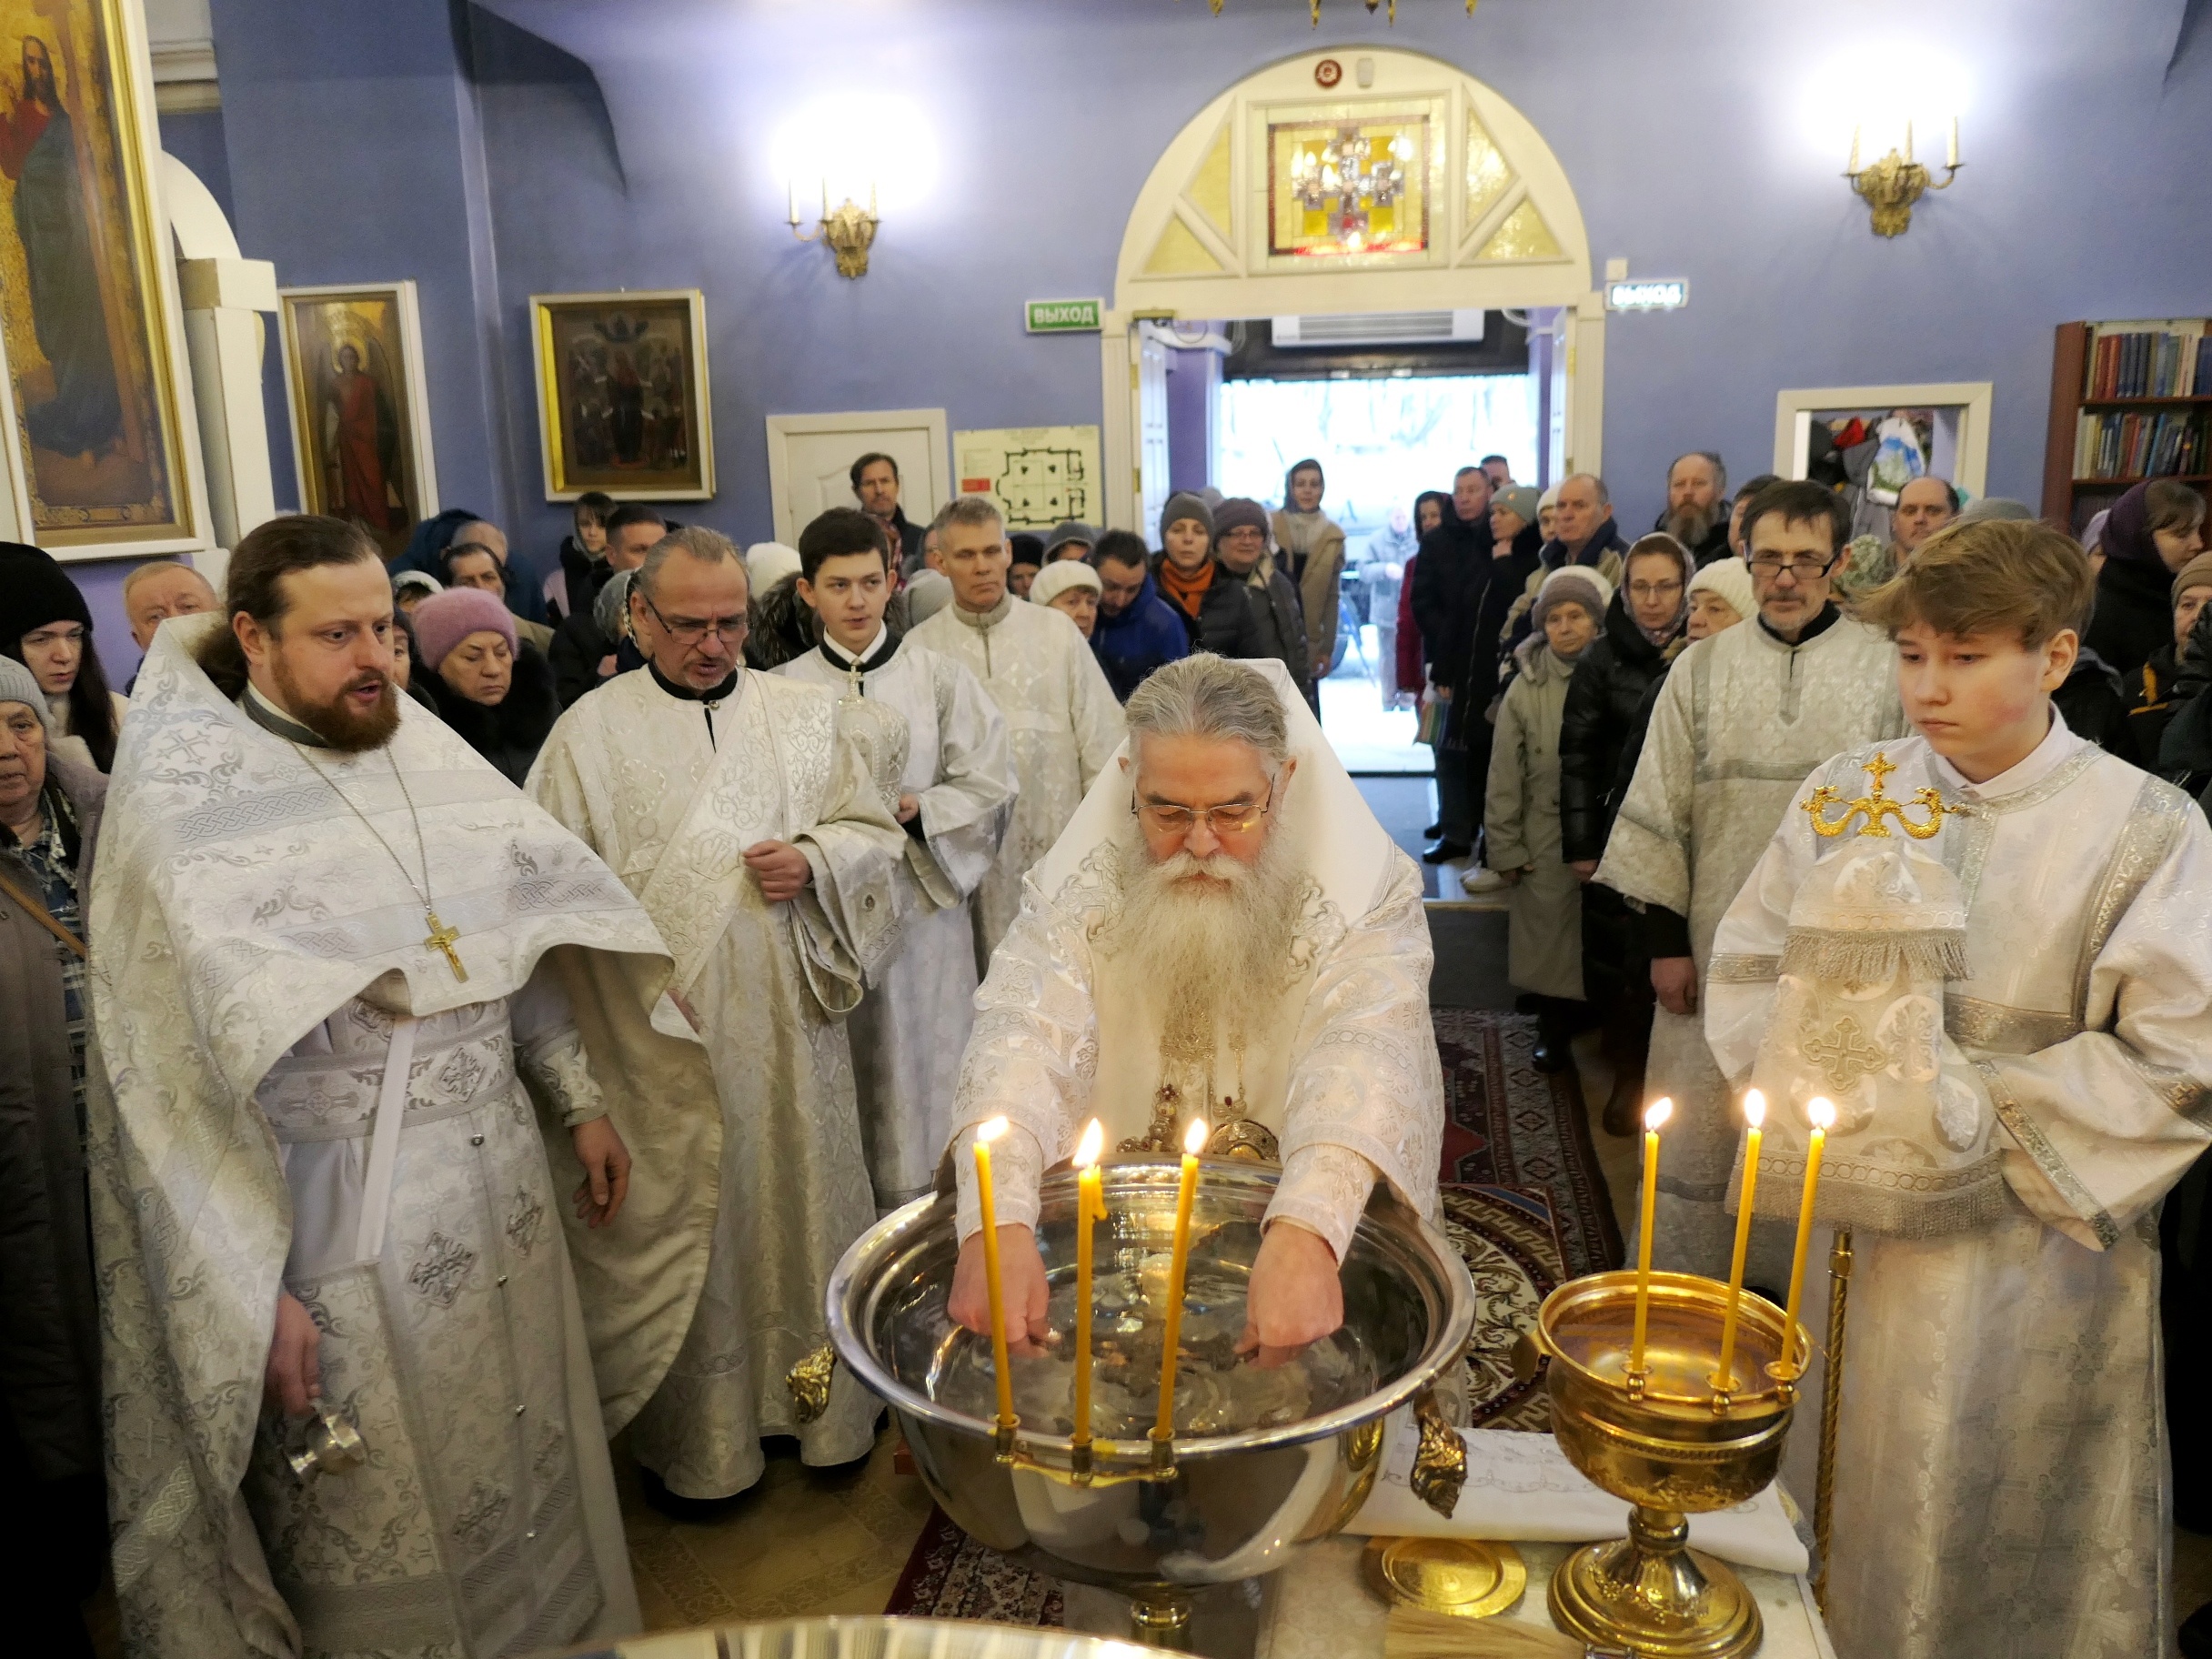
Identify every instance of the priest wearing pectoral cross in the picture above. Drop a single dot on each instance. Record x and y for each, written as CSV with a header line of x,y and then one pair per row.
x,y
752,815
338,1103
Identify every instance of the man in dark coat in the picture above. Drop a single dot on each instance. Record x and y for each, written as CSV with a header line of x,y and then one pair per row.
x,y
1697,505
1642,625
1136,630
1451,576
50,1445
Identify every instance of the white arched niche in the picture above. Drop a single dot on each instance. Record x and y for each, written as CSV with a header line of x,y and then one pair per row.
x,y
1500,229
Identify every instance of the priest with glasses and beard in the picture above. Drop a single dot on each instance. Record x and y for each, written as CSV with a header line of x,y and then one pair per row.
x,y
339,1106
1224,931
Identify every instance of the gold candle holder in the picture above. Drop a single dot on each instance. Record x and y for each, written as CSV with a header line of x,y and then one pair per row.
x,y
1672,1448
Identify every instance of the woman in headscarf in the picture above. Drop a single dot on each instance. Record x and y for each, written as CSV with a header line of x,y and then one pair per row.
x,y
2153,530
1311,548
45,625
1405,656
1644,619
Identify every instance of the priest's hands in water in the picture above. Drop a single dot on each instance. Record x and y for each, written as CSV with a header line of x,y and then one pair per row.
x,y
1022,1281
294,1380
780,868
1674,979
606,1160
1293,1296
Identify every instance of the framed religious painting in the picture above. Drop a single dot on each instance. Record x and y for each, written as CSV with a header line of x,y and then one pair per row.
x,y
353,372
1353,184
622,402
102,450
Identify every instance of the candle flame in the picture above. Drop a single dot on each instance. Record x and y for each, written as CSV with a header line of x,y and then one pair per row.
x,y
1822,1113
1093,1143
1194,1138
990,1131
1656,1114
1755,1107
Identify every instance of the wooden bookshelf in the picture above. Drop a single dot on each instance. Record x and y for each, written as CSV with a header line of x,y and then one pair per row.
x,y
2071,499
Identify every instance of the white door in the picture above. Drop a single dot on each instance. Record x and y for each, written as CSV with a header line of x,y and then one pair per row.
x,y
811,458
1151,428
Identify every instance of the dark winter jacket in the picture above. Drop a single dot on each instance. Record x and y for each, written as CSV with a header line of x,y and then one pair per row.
x,y
2093,704
1225,624
577,650
2134,613
1281,621
582,576
1131,645
1492,640
49,1316
1603,699
2149,693
1452,575
510,732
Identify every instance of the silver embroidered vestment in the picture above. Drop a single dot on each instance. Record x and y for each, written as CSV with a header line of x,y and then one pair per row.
x,y
2002,1467
909,1031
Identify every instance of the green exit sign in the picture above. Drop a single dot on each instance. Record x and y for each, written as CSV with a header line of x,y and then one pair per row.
x,y
1065,315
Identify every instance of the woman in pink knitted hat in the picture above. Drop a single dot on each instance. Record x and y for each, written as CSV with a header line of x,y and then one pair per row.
x,y
495,691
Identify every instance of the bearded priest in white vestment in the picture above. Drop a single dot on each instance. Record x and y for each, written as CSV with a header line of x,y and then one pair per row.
x,y
2002,1488
1060,713
748,813
1225,932
339,1109
954,799
1740,721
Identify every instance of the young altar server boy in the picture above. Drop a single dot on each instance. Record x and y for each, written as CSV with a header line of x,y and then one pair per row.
x,y
2000,1480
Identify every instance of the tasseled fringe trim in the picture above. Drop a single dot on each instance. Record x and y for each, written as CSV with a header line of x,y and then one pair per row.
x,y
1874,959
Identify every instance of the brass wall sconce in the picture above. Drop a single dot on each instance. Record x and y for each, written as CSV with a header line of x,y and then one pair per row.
x,y
1892,184
850,230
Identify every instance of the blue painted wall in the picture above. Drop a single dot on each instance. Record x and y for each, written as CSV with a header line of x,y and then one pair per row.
x,y
566,144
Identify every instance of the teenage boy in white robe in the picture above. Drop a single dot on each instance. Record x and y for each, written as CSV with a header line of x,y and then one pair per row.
x,y
954,798
2001,1476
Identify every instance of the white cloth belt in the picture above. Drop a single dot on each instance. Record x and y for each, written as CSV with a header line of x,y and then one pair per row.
x,y
384,1142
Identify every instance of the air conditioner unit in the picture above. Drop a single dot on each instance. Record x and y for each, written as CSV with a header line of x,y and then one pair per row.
x,y
1380,328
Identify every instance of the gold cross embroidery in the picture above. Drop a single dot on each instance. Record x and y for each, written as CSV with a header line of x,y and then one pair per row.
x,y
443,938
1875,807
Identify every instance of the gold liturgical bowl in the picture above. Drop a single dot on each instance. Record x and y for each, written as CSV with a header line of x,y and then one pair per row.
x,y
1672,1447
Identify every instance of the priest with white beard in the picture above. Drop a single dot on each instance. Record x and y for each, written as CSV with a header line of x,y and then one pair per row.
x,y
1060,712
749,815
1223,932
337,1101
954,798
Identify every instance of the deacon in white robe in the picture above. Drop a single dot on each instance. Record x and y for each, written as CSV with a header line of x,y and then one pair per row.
x,y
747,814
330,1115
1284,997
954,799
2001,1477
1060,713
1744,716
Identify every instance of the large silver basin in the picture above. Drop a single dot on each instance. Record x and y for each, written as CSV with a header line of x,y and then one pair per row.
x,y
1235,1505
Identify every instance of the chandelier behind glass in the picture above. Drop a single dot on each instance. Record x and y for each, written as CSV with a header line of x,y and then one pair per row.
x,y
1358,174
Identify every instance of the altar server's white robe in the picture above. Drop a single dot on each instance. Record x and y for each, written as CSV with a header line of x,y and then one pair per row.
x,y
257,963
2001,1474
1741,720
910,1028
1061,719
671,791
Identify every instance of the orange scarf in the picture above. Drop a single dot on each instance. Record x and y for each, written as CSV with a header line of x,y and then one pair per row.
x,y
1185,589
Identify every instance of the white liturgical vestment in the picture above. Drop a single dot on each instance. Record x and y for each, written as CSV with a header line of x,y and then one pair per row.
x,y
1741,720
1342,1075
671,790
294,1091
2000,1471
1062,719
910,1028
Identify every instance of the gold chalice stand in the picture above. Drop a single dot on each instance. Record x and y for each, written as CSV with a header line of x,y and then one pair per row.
x,y
1671,1442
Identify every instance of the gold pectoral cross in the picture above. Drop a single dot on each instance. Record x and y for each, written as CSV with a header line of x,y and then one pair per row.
x,y
1875,807
442,937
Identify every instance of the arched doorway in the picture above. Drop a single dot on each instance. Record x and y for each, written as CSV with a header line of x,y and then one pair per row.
x,y
1481,216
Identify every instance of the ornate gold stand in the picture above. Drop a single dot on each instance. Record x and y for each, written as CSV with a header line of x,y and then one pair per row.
x,y
1671,1445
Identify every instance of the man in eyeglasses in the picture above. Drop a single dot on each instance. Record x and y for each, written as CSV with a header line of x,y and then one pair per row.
x,y
1741,720
745,812
1224,934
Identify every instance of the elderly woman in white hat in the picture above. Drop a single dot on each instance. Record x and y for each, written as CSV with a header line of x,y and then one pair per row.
x,y
1072,588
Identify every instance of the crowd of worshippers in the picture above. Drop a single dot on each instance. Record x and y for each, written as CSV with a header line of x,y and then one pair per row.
x,y
1621,803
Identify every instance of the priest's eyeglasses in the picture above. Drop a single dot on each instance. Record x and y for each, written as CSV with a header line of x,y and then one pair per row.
x,y
1230,818
730,630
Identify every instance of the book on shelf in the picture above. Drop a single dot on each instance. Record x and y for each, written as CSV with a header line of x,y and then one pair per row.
x,y
2112,445
2145,360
